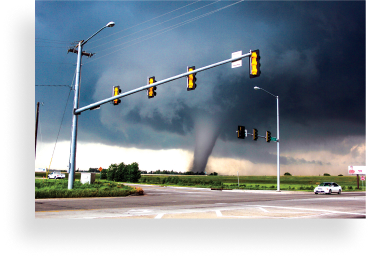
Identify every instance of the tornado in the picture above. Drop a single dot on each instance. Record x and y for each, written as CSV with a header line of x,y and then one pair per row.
x,y
207,129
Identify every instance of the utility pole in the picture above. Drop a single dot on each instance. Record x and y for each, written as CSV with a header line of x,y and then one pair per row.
x,y
37,124
80,53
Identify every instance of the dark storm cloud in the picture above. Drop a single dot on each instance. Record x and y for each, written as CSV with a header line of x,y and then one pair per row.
x,y
312,56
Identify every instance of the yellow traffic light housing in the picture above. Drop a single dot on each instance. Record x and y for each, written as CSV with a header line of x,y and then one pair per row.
x,y
255,64
268,137
151,91
241,132
116,91
191,79
254,134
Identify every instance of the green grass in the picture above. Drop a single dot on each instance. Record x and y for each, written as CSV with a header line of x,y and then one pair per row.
x,y
298,183
45,188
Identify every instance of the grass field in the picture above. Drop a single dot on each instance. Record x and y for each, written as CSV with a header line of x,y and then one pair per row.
x,y
304,183
45,188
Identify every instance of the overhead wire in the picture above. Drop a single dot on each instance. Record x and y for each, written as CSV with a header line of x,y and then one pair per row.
x,y
164,30
154,25
145,21
55,145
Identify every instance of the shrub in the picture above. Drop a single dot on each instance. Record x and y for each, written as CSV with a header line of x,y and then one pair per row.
x,y
288,174
350,188
103,174
340,175
139,190
326,174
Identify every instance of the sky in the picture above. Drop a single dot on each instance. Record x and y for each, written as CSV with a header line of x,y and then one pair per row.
x,y
313,56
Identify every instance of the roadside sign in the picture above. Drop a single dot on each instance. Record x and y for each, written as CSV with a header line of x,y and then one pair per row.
x,y
354,170
100,169
237,63
363,178
273,139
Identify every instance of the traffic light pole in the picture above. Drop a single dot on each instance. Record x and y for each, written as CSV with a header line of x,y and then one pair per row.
x,y
98,104
72,163
278,137
278,147
80,53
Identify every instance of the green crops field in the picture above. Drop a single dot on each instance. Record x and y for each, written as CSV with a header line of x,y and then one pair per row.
x,y
300,183
304,183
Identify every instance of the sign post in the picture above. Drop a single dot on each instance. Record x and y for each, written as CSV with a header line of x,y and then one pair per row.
x,y
362,179
352,170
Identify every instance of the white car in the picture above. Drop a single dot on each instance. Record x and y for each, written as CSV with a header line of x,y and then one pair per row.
x,y
328,188
56,175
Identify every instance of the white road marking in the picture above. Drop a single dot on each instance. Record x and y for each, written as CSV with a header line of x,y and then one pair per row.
x,y
263,209
316,210
218,213
159,215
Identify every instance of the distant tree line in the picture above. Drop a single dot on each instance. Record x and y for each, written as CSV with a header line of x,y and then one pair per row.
x,y
176,173
122,173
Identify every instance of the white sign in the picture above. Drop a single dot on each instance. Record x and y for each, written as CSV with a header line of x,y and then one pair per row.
x,y
237,63
363,178
354,170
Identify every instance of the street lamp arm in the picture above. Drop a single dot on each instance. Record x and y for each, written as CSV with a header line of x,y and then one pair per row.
x,y
259,88
110,24
84,42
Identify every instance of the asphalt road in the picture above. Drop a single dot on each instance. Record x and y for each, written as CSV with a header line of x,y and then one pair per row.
x,y
181,202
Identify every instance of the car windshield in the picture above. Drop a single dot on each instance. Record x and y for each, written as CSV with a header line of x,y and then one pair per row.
x,y
325,184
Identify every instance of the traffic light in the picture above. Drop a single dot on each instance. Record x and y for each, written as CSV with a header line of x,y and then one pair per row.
x,y
116,91
151,91
191,79
254,134
268,136
255,64
241,132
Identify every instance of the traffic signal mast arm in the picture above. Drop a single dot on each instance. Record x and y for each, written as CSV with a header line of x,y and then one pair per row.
x,y
97,104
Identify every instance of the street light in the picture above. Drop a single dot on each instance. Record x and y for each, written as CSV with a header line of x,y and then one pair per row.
x,y
72,162
278,139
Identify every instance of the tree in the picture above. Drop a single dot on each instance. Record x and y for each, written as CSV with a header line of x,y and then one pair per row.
x,y
123,173
133,172
111,172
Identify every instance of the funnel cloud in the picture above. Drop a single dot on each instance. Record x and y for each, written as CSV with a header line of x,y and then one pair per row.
x,y
207,130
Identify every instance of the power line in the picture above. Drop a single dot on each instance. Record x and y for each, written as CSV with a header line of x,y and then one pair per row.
x,y
55,85
146,21
152,25
49,40
164,30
